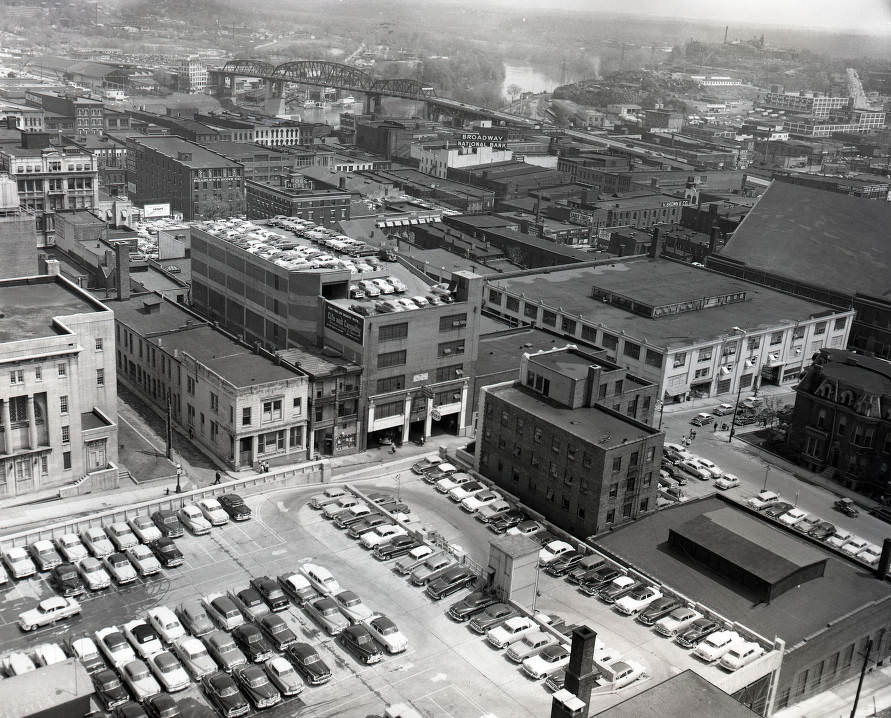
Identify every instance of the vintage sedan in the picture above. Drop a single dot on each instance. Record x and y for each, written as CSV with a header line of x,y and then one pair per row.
x,y
677,621
114,646
234,505
431,568
71,548
169,671
271,592
213,512
92,573
97,542
194,617
386,633
48,611
511,631
399,546
716,645
252,642
194,657
109,689
309,664
45,555
822,531
120,568
255,684
224,696
223,649
143,638
352,607
451,580
283,676
358,641
121,536
328,496
222,611
144,560
471,605
139,680
277,631
84,649
19,563
65,579
167,552
547,662
144,528
250,603
492,616
191,517
166,624
529,645
326,613
168,524
696,632
297,587
637,600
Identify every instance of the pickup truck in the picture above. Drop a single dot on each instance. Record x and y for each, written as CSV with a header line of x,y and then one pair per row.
x,y
48,612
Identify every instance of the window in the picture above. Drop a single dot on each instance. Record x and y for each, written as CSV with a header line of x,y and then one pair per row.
x,y
100,377
44,465
776,338
651,453
654,359
449,348
798,333
63,370
610,516
647,480
296,437
271,441
98,344
530,310
635,457
586,460
17,376
610,341
602,392
297,406
388,359
447,373
840,323
452,321
66,434
631,350
568,325
626,510
66,460
272,410
391,408
38,374
392,332
494,297
63,404
619,386
754,343
819,328
246,416
644,504
549,318
190,385
391,383
617,464
512,304
537,436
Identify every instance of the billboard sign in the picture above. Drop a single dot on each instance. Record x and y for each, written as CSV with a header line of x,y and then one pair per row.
x,y
345,323
156,210
494,137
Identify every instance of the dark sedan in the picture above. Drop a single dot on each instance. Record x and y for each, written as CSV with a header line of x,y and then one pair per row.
x,y
399,546
696,631
257,686
358,641
471,605
507,521
612,592
277,632
223,694
586,567
271,593
822,530
778,509
168,524
252,641
357,529
450,581
492,616
66,580
657,609
234,505
167,553
309,664
130,710
109,689
162,706
562,565
597,580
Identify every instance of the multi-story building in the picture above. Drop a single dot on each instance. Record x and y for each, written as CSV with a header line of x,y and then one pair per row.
x,y
200,183
57,385
241,406
572,440
18,233
49,178
21,116
286,195
111,159
191,75
859,122
260,164
417,364
842,419
436,158
813,104
690,331
88,114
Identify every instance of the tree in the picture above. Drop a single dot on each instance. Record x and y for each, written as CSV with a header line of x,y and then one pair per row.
x,y
514,91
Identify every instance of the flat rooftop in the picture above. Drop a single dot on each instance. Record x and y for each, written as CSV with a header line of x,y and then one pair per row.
x,y
501,352
591,424
317,362
171,146
794,615
659,281
28,307
570,363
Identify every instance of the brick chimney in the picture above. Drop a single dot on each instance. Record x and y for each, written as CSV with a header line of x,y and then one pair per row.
x,y
713,239
884,564
580,673
656,245
122,269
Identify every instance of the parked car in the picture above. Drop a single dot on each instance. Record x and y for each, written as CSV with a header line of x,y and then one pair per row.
x,y
413,559
556,680
109,689
84,649
16,664
586,565
191,517
380,535
194,657
224,696
168,524
114,646
530,645
805,524
525,528
19,563
358,641
870,555
428,462
492,512
309,664
564,563
716,645
546,662
45,555
692,468
65,579
130,709
48,611
367,524
71,548
283,677
552,551
320,579
618,587
847,507
792,516
677,621
144,639
637,599
658,609
93,575
194,618
120,568
297,587
328,496
144,528
222,611
701,419
354,514
326,613
451,580
385,632
620,673
599,579
225,652
822,530
492,616
466,490
143,560
723,409
727,481
740,655
471,605
166,624
475,503
431,568
271,593
121,536
399,546
169,671
277,631
778,509
250,603
213,512
252,642
511,631
167,553
854,545
696,632
235,507
839,538
763,500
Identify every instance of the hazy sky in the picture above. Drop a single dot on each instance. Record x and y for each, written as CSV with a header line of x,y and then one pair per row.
x,y
872,16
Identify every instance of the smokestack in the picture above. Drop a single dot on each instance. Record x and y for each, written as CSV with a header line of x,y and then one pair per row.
x,y
581,672
713,239
122,269
656,245
884,560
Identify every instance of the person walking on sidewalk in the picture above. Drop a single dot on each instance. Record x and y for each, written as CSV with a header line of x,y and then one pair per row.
x,y
218,479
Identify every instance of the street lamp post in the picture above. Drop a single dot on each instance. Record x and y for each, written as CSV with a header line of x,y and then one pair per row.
x,y
398,487
766,472
179,475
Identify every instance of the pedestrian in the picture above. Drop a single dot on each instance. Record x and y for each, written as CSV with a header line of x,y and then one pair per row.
x,y
218,479
715,426
693,433
265,467
190,433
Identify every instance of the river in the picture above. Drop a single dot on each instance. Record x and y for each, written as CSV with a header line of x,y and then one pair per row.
x,y
528,79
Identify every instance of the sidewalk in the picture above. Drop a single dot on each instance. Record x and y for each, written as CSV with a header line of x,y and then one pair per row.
x,y
837,703
710,402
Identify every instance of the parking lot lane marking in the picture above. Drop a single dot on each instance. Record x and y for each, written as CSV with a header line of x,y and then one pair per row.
x,y
438,677
440,711
281,507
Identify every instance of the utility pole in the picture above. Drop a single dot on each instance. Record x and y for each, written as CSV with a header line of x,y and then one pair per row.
x,y
169,430
862,674
733,418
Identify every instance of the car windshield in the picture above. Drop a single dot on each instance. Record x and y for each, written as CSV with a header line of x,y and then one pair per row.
x,y
385,628
363,639
226,690
311,658
257,681
166,663
349,601
167,548
67,572
139,673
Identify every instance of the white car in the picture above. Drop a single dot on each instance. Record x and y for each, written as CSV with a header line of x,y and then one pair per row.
x,y
48,611
169,671
637,600
166,624
144,528
740,655
344,502
471,488
71,548
475,503
553,550
114,646
44,554
94,576
676,621
723,409
727,481
329,495
321,579
871,555
97,542
854,545
213,512
490,512
452,481
679,448
709,466
193,653
143,638
529,645
383,286
838,539
716,645
386,633
15,664
139,680
369,287
511,631
792,516
222,611
143,560
620,673
763,500
297,587
415,558
121,536
381,534
120,568
84,649
45,654
351,606
547,662
19,563
192,518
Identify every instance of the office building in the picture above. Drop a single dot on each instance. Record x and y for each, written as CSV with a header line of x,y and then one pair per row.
x,y
288,196
191,75
813,104
18,233
438,157
21,116
58,389
200,183
260,164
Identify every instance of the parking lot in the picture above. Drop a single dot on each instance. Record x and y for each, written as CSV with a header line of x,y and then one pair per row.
x,y
446,671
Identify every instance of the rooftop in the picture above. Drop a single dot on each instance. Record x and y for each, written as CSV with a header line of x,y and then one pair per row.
x,y
823,238
591,424
871,374
316,362
569,363
661,281
27,693
500,352
793,616
516,546
171,146
29,305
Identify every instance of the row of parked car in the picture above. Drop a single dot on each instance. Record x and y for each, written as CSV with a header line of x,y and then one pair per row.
x,y
772,505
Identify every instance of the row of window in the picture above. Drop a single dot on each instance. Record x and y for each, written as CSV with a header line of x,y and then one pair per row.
x,y
393,332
